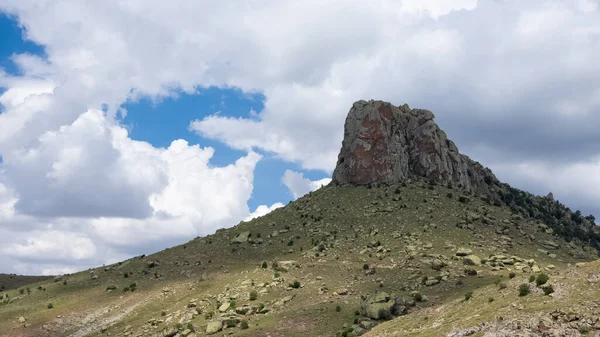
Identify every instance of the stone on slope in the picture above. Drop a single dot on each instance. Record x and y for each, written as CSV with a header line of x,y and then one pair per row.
x,y
213,327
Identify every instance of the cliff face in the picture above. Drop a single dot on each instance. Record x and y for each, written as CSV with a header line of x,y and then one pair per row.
x,y
388,144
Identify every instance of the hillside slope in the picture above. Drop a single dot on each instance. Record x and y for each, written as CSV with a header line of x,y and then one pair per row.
x,y
341,243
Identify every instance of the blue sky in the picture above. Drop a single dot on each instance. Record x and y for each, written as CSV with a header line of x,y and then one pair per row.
x,y
165,120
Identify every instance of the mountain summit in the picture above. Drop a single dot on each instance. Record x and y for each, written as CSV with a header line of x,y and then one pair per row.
x,y
387,144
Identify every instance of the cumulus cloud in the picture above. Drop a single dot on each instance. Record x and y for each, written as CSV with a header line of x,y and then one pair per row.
x,y
490,71
263,210
299,186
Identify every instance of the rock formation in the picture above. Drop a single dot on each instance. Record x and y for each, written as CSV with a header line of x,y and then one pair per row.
x,y
388,144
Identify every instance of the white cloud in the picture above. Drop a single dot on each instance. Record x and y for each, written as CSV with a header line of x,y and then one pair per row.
x,y
263,210
486,68
52,246
299,186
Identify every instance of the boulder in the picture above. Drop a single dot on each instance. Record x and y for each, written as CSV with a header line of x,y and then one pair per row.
x,y
462,251
213,327
378,305
472,260
241,237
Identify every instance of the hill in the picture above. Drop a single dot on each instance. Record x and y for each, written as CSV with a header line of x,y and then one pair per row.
x,y
13,281
393,257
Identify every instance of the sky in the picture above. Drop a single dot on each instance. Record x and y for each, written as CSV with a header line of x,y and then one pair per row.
x,y
130,126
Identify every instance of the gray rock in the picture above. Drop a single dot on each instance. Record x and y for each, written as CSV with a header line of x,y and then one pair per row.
x,y
384,143
213,327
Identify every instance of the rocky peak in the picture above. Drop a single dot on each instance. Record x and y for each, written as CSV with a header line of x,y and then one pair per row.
x,y
388,144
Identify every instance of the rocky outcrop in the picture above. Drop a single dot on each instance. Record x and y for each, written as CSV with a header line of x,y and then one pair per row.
x,y
387,144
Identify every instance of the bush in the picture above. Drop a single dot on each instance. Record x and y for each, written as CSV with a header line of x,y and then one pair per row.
x,y
208,315
190,326
512,275
253,295
468,295
126,289
231,323
111,287
265,265
490,300
365,266
418,297
501,285
295,284
463,199
291,243
531,278
338,308
164,313
524,289
449,195
50,306
232,304
244,324
541,279
548,289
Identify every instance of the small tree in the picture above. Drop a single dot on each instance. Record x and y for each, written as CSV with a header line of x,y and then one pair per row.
x,y
265,265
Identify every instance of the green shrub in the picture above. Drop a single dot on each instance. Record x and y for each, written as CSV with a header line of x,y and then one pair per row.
x,y
524,289
501,285
512,275
548,289
418,297
164,313
21,291
295,284
531,278
190,326
126,275
463,199
253,295
265,265
365,266
244,324
232,304
50,306
290,243
231,323
468,295
208,315
490,300
541,279
449,195
338,308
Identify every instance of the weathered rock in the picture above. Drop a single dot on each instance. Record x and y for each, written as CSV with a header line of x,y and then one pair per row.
x,y
241,238
378,305
464,251
472,260
213,327
388,144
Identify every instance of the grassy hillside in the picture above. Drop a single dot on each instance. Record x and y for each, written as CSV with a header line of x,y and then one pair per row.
x,y
318,267
13,281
